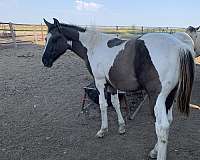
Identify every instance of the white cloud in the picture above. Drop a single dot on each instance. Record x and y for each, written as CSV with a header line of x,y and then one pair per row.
x,y
89,6
8,3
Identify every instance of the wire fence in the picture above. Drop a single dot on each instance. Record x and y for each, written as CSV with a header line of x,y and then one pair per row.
x,y
14,34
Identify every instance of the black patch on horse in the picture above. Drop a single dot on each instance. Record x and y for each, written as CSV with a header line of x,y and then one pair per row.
x,y
170,98
146,73
133,69
115,42
122,73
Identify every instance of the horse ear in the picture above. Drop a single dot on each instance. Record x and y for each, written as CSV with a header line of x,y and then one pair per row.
x,y
49,25
57,24
197,28
56,21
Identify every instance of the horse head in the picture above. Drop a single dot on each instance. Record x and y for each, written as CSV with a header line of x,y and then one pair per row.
x,y
60,37
195,35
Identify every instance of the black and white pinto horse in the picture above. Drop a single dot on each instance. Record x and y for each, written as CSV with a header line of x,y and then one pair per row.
x,y
160,63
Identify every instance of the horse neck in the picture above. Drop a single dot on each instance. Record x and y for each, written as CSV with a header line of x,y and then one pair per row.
x,y
197,45
79,50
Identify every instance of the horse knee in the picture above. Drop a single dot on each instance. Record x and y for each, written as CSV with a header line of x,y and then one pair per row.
x,y
162,124
103,106
116,105
102,102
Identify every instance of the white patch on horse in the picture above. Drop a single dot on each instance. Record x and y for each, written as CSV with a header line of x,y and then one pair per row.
x,y
164,51
101,59
96,42
47,40
116,105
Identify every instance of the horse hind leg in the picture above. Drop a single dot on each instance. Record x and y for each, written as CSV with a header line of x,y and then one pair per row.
x,y
163,114
154,152
116,105
153,95
166,112
162,127
169,104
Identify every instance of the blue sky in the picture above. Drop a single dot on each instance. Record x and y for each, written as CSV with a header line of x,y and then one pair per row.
x,y
177,13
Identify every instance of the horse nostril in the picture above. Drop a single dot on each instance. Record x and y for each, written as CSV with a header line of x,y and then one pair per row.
x,y
45,62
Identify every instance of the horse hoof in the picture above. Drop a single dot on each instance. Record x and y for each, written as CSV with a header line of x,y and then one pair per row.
x,y
153,155
101,133
122,129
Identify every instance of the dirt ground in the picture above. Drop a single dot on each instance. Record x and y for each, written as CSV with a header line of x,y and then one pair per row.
x,y
39,115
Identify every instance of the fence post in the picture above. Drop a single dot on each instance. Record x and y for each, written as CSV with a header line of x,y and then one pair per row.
x,y
42,32
13,34
142,29
35,36
117,28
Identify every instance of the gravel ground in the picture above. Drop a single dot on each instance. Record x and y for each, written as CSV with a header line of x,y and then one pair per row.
x,y
39,108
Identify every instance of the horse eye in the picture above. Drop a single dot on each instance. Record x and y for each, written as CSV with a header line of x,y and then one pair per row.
x,y
45,38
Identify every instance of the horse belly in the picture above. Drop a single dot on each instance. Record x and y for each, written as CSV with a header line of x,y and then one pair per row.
x,y
124,81
122,72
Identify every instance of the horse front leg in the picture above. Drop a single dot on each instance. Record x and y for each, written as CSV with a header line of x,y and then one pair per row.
x,y
103,107
116,105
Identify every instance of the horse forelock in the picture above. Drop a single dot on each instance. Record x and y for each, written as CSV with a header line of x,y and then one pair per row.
x,y
48,36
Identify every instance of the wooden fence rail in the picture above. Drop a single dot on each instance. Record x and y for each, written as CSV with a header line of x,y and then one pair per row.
x,y
14,34
11,33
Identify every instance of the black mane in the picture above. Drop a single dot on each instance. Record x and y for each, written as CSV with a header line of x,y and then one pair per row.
x,y
78,28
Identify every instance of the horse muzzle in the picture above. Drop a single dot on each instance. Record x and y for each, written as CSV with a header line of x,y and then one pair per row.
x,y
47,63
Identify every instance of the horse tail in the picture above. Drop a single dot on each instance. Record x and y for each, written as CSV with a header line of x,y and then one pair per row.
x,y
186,78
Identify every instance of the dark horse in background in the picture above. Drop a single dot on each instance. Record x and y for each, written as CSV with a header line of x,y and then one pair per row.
x,y
160,63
